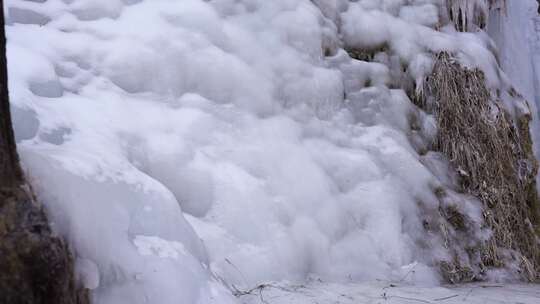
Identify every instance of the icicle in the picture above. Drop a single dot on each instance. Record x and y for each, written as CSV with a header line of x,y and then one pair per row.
x,y
468,15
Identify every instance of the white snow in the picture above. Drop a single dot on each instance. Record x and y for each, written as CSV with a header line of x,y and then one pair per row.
x,y
185,146
390,293
152,245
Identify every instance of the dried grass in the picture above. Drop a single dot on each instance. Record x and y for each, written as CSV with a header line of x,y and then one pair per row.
x,y
493,155
367,54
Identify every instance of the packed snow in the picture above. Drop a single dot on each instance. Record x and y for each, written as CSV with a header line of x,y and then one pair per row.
x,y
389,293
188,148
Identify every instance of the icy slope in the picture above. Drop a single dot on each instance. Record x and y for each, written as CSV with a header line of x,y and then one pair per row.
x,y
515,28
149,125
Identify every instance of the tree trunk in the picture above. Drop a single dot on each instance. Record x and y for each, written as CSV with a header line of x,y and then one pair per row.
x,y
36,266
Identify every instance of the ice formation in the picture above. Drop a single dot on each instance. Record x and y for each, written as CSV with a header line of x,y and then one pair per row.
x,y
188,148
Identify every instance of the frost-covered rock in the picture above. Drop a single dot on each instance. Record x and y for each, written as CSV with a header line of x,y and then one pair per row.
x,y
36,265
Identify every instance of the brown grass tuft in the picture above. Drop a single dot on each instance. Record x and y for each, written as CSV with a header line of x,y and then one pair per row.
x,y
493,155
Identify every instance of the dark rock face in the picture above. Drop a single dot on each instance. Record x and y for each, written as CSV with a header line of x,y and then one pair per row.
x,y
36,266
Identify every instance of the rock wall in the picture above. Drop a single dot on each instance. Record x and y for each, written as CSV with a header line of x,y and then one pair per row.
x,y
36,266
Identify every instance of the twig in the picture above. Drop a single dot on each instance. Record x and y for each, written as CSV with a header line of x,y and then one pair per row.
x,y
406,298
237,269
261,296
446,298
491,286
238,293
